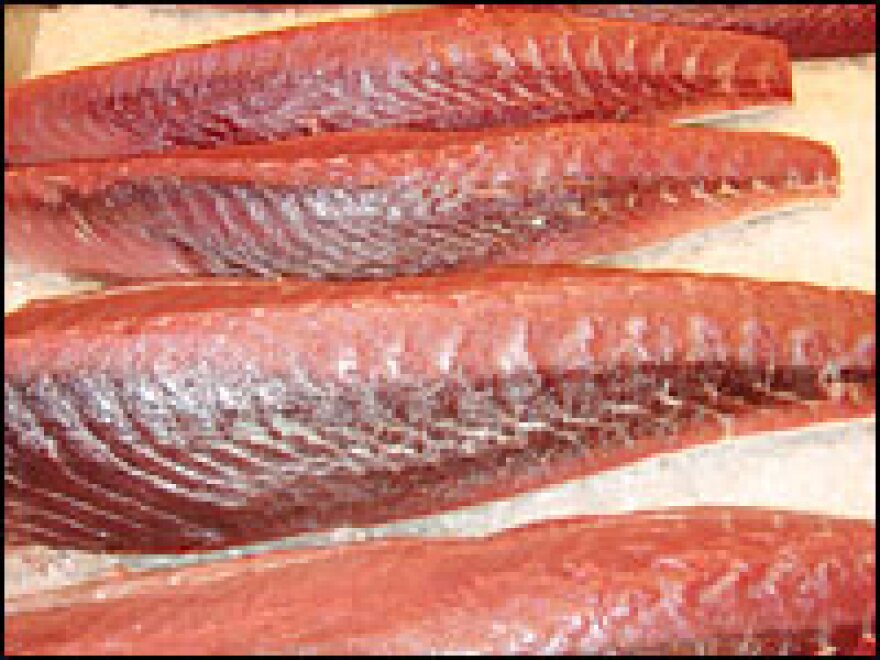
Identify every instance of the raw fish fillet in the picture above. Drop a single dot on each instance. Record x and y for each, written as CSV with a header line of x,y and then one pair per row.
x,y
385,203
442,68
813,30
204,414
679,582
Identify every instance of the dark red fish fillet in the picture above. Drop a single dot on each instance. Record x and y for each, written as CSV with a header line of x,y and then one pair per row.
x,y
209,413
686,581
816,30
384,203
442,68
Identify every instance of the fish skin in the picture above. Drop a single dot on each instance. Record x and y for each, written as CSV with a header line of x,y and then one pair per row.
x,y
386,203
208,413
681,581
508,67
811,30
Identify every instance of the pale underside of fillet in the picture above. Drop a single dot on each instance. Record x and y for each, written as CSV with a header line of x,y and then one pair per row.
x,y
385,203
210,413
703,580
441,68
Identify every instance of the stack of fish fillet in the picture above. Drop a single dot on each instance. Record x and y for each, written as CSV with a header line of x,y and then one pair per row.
x,y
344,291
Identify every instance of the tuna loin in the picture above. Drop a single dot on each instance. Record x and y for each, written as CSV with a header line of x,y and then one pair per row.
x,y
209,413
814,30
687,581
381,203
442,68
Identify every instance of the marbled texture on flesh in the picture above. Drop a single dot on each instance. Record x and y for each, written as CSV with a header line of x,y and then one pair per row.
x,y
441,68
682,581
384,203
210,413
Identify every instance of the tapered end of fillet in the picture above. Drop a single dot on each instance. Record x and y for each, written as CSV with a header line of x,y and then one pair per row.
x,y
814,30
713,178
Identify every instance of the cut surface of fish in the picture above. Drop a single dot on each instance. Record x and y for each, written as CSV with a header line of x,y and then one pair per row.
x,y
198,415
383,203
440,68
681,581
809,30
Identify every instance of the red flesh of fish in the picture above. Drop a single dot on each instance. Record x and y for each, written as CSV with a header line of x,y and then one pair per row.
x,y
443,68
816,30
209,413
384,203
704,580
201,414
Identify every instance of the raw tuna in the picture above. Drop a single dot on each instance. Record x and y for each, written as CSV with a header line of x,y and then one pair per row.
x,y
383,203
816,30
203,414
688,581
442,68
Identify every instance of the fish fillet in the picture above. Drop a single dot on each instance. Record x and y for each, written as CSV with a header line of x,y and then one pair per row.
x,y
442,68
385,203
203,414
681,581
811,30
